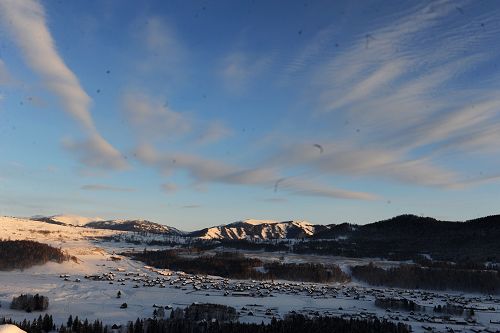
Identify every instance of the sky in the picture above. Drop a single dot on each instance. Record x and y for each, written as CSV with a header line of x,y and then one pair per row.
x,y
200,113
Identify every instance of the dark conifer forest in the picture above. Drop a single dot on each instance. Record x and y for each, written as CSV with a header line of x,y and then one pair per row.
x,y
290,324
418,277
236,265
20,254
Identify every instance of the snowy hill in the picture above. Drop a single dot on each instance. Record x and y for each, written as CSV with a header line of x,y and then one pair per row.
x,y
257,229
7,328
66,219
99,223
134,225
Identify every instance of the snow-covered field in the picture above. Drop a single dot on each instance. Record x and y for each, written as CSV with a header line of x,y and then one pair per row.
x,y
141,287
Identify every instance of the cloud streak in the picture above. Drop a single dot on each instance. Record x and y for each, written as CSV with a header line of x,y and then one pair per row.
x,y
239,69
398,98
154,119
26,20
205,171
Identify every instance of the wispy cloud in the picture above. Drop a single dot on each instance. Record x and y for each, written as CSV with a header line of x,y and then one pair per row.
x,y
96,152
399,98
26,20
239,69
214,132
104,187
163,51
154,119
348,160
205,171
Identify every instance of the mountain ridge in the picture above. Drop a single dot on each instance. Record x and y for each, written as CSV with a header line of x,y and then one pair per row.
x,y
406,226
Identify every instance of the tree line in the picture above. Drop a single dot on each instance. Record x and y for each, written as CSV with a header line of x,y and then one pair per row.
x,y
235,265
295,323
21,254
412,276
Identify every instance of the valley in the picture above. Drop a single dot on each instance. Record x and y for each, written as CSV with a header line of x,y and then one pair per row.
x,y
88,286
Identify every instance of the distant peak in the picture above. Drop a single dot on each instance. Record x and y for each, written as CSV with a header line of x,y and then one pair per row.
x,y
73,219
258,222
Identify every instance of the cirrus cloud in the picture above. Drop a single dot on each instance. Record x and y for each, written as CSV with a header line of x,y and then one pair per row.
x,y
26,20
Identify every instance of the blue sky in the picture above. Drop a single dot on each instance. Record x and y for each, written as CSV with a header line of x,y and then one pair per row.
x,y
198,113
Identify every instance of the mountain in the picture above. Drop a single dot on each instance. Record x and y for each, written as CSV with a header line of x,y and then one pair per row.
x,y
98,223
257,230
334,231
66,219
405,236
136,226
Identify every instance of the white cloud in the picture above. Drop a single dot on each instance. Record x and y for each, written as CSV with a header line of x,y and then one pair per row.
x,y
152,118
312,52
399,106
206,171
159,36
317,190
239,69
347,160
162,51
27,23
155,121
214,132
96,152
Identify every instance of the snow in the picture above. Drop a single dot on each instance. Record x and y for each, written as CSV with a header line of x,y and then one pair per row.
x,y
258,222
212,233
257,229
306,226
10,329
74,219
97,299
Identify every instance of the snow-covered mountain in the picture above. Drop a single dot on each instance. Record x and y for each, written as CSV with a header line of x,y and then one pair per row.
x,y
257,229
64,219
98,223
135,225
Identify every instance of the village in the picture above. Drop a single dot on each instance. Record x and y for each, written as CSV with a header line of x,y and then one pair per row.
x,y
477,313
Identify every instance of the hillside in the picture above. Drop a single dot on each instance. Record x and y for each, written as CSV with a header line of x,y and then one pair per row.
x,y
119,225
21,254
135,226
66,219
401,238
257,230
405,236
